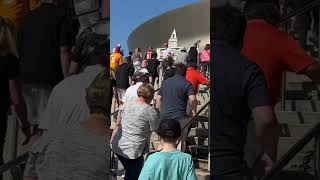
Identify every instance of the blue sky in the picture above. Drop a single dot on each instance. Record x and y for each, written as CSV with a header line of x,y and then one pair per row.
x,y
126,15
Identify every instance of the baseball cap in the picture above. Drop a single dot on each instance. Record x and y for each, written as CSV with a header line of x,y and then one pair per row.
x,y
169,128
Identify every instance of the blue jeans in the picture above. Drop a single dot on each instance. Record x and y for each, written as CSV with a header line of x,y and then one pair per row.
x,y
133,167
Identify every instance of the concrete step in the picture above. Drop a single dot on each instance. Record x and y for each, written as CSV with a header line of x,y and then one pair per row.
x,y
202,174
296,78
285,143
294,130
198,132
297,161
201,163
198,141
302,94
198,124
199,151
293,117
302,105
294,175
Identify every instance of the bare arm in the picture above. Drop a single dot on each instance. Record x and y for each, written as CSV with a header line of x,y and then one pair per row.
x,y
130,80
267,130
20,107
313,72
193,102
65,55
158,105
115,129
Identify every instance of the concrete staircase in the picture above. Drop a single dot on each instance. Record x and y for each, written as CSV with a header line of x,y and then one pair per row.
x,y
301,113
197,140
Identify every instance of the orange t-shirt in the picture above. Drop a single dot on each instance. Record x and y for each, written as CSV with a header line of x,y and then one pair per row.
x,y
115,60
195,78
275,52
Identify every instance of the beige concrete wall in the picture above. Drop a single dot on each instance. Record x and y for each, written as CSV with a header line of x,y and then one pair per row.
x,y
192,23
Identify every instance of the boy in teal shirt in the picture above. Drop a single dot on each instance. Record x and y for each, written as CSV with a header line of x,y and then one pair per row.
x,y
169,163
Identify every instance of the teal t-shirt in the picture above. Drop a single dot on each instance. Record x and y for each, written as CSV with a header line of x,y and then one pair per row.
x,y
167,166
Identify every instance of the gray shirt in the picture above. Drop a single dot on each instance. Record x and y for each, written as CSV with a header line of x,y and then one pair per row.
x,y
137,123
77,153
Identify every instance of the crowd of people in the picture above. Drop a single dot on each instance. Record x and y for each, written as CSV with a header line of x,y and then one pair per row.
x,y
134,78
63,91
60,82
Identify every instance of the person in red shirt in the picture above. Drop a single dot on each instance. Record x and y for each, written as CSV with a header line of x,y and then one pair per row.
x,y
274,51
195,77
149,53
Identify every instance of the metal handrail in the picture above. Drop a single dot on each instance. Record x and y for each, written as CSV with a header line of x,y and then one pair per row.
x,y
13,163
286,158
300,11
197,114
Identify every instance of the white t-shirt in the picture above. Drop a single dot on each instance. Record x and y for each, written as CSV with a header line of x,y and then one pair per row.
x,y
131,93
166,53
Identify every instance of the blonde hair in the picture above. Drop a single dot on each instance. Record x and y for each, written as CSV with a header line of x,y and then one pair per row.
x,y
7,38
145,91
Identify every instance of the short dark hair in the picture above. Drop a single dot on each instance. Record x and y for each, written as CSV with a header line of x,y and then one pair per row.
x,y
192,64
227,24
169,129
168,62
266,10
141,77
180,69
130,53
154,54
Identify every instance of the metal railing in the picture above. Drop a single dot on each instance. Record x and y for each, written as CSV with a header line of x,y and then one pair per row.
x,y
286,158
15,167
314,133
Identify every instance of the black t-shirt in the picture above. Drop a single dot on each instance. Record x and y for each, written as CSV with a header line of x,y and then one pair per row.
x,y
175,92
122,75
168,72
9,69
238,87
152,67
42,32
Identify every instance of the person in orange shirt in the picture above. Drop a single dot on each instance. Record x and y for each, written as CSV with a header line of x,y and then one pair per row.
x,y
14,10
115,59
274,51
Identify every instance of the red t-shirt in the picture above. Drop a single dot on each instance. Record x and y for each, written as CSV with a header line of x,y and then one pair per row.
x,y
195,78
275,52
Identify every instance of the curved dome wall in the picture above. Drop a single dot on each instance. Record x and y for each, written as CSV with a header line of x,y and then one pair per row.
x,y
192,23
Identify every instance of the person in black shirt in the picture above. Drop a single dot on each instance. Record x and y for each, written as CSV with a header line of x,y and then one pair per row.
x,y
174,96
152,66
124,75
10,85
239,92
44,45
168,70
